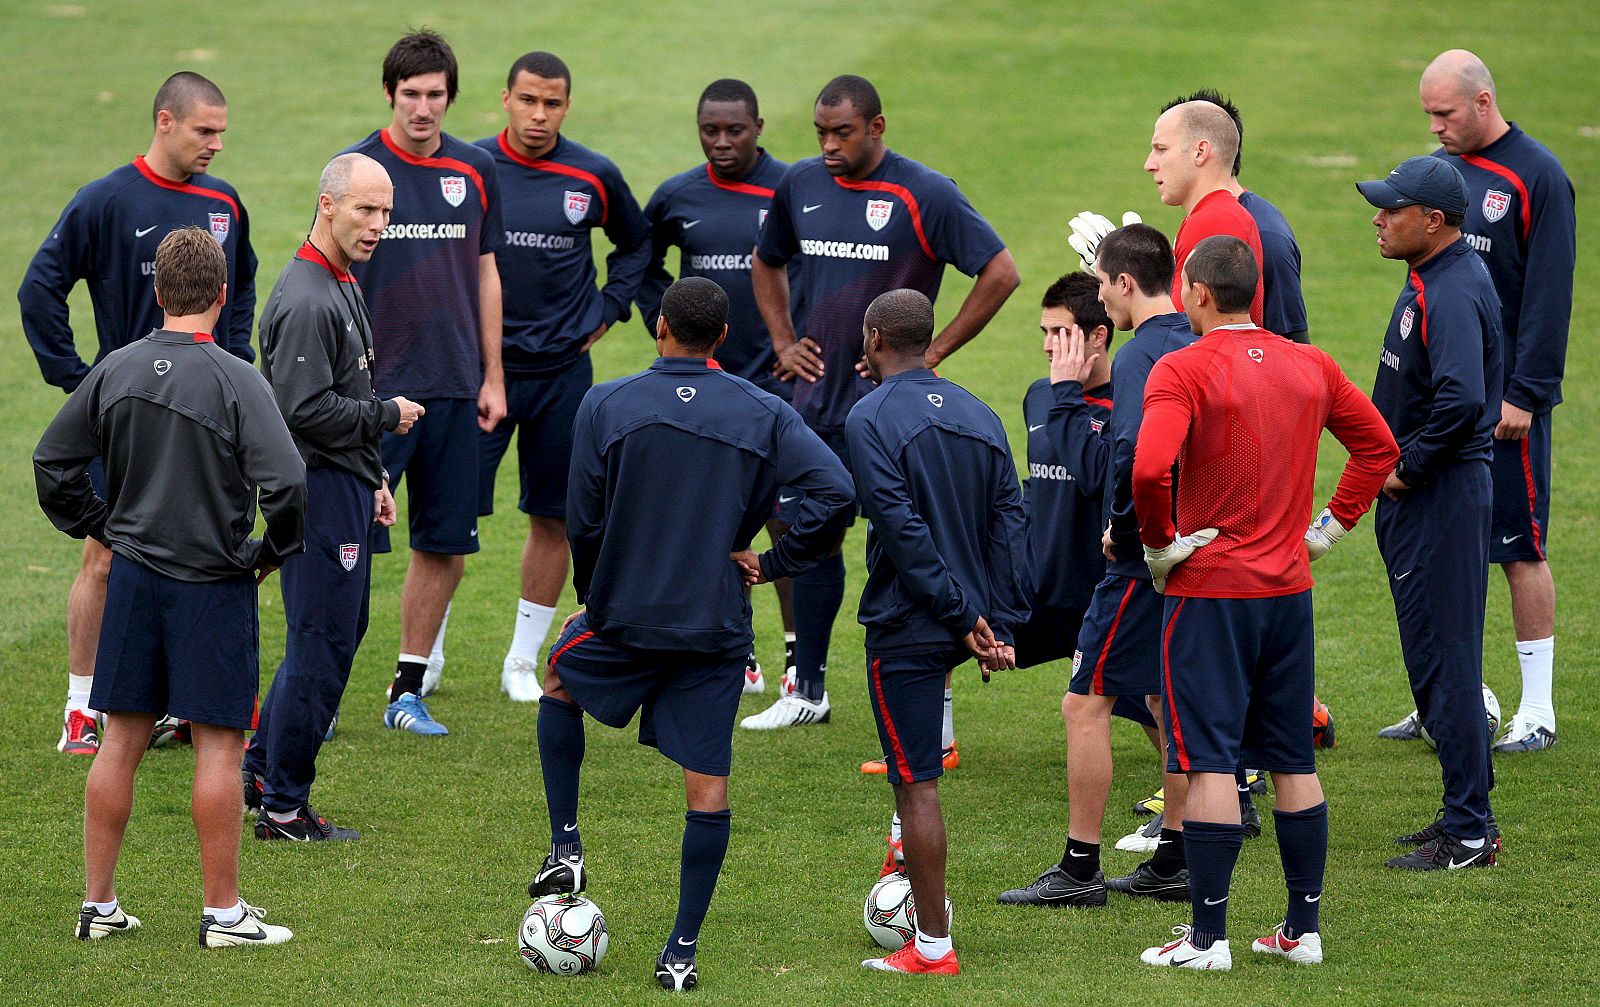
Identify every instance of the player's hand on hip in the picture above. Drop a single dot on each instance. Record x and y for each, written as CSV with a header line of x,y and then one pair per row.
x,y
1089,229
383,511
594,337
569,620
1515,422
410,413
1324,533
491,405
1105,545
749,567
1394,487
1161,561
862,370
803,359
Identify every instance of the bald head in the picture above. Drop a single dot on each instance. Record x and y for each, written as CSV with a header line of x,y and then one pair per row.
x,y
354,199
351,171
1461,71
1458,94
1198,121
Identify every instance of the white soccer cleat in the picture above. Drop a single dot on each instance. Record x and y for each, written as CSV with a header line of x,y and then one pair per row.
x,y
519,679
93,925
247,931
1307,950
1525,734
788,711
786,682
1144,839
431,677
1182,954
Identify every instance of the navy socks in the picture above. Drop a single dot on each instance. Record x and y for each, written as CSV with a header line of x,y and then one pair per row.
x,y
1303,848
705,843
1212,850
818,595
560,757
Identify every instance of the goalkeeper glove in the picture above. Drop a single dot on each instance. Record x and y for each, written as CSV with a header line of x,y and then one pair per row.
x,y
1161,561
1089,229
1324,533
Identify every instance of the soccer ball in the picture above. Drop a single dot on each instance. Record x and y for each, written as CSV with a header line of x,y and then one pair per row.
x,y
563,934
890,912
1491,713
1322,734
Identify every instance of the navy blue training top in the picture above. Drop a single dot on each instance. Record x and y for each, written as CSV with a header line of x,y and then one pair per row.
x,y
1064,512
674,468
1284,310
108,235
947,541
551,207
896,228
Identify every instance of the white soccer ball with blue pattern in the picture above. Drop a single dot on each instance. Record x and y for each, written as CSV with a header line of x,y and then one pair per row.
x,y
563,935
1491,712
890,912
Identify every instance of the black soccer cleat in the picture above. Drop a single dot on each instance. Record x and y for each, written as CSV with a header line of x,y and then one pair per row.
x,y
1435,829
559,876
1250,818
1447,853
253,787
306,827
676,976
1146,883
1056,888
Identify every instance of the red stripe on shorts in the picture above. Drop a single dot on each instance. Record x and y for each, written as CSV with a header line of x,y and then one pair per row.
x,y
899,753
1099,686
1166,675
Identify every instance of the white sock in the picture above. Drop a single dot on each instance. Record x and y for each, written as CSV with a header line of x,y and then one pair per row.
x,y
437,654
1538,660
226,917
283,817
894,828
1474,844
932,948
533,625
948,736
78,687
103,908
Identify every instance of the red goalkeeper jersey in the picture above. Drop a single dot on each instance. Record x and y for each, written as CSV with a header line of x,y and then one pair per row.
x,y
1240,412
1218,213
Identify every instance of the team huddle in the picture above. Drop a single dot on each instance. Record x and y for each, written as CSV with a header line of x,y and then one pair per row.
x,y
444,304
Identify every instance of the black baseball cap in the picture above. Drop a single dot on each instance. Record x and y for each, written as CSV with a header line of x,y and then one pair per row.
x,y
1426,180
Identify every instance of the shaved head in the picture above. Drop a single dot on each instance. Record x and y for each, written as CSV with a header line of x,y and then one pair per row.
x,y
1463,72
1203,120
1457,93
346,170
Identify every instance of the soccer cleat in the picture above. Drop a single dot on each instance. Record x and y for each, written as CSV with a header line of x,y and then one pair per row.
x,y
1144,839
1250,818
909,960
1055,887
408,713
1152,805
1525,736
93,925
559,876
432,675
1408,729
521,679
1323,734
166,732
791,710
1306,950
950,759
254,785
307,827
754,681
1446,853
247,931
332,725
786,682
1427,834
1182,954
676,976
894,859
1145,882
1257,781
80,735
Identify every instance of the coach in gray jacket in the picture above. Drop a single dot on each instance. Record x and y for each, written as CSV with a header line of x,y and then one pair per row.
x,y
316,343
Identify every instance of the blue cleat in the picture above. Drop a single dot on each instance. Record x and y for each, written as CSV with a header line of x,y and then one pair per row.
x,y
408,713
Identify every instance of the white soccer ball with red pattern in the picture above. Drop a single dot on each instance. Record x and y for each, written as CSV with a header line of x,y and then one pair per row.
x,y
563,934
890,912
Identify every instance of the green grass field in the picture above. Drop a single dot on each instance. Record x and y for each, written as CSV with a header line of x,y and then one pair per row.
x,y
1038,111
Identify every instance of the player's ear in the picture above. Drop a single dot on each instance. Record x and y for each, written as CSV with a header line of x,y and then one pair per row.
x,y
720,340
222,297
165,120
1100,337
662,331
505,99
759,124
878,125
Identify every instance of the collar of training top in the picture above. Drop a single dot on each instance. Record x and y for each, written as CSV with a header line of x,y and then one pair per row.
x,y
919,374
168,336
685,364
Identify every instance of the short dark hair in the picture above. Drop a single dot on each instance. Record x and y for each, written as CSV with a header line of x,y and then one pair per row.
x,y
1216,97
541,64
191,268
1229,270
1079,293
696,309
858,91
729,89
419,52
181,92
1143,253
904,318
1450,219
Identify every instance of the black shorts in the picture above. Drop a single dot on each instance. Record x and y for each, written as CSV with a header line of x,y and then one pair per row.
x,y
438,461
907,694
1521,470
540,411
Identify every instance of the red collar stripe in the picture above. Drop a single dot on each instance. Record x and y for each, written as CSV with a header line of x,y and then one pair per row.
x,y
150,176
557,168
310,253
712,365
1422,305
1102,403
905,197
203,337
1524,204
442,163
744,187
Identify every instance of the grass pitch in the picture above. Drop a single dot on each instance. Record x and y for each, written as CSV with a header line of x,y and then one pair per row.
x,y
1038,111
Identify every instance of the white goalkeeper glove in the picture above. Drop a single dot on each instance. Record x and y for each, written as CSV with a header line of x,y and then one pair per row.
x,y
1161,561
1324,533
1089,229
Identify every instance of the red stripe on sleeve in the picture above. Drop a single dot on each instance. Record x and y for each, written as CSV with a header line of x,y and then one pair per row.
x,y
445,163
1422,304
1524,204
905,197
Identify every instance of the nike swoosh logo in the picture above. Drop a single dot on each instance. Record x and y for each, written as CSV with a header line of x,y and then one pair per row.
x,y
784,499
686,227
1162,842
808,209
1314,898
1074,853
140,234
1184,961
1508,541
350,325
1216,902
1525,653
1036,426
687,944
1465,863
1402,576
569,828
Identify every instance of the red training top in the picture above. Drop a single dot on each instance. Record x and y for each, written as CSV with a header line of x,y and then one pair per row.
x,y
1218,213
1241,412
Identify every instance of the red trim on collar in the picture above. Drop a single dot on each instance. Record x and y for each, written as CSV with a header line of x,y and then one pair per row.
x,y
150,176
744,187
557,168
203,337
311,253
444,163
712,365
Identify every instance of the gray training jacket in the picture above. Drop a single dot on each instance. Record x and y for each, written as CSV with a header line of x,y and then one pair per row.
x,y
316,350
187,433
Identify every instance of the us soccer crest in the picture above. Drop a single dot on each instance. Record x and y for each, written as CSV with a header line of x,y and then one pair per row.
x,y
454,189
576,205
1406,318
1097,425
348,554
1495,204
761,217
878,211
219,225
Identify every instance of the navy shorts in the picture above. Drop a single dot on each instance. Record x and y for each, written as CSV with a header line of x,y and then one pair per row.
x,y
540,411
787,508
439,461
907,695
97,477
686,701
1050,634
187,650
1521,470
1119,647
1239,681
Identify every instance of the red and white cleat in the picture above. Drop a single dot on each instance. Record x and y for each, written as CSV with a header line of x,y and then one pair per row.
x,y
909,960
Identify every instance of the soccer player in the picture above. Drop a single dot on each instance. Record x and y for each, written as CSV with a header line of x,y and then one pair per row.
x,y
1240,413
867,220
1438,386
316,349
1118,651
713,214
555,193
188,435
1520,219
108,235
674,470
434,293
947,577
